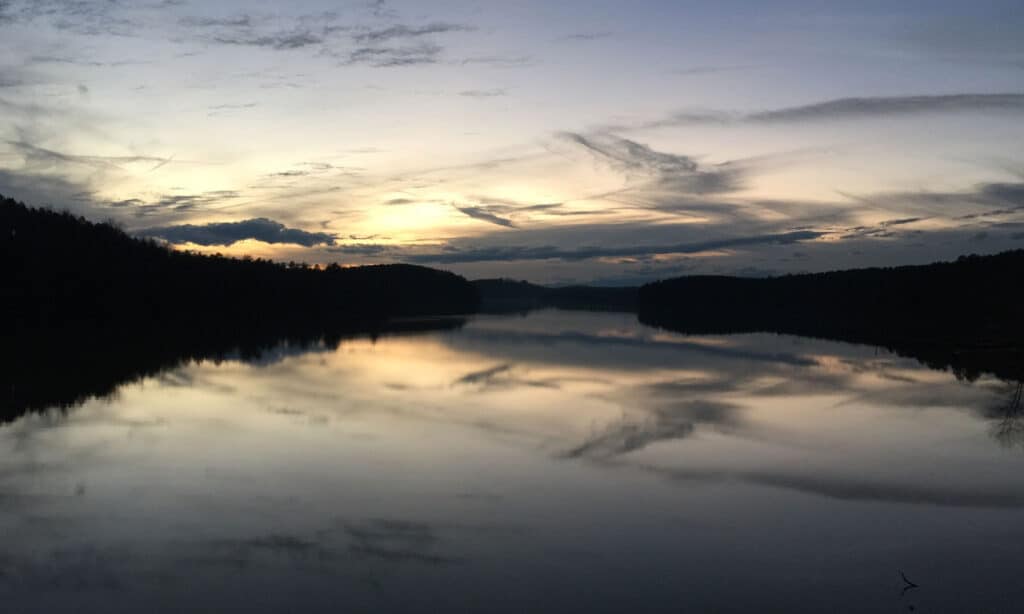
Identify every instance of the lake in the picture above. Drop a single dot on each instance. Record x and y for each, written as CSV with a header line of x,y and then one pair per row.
x,y
558,461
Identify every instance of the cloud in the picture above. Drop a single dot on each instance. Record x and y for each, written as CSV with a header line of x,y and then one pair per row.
x,y
851,108
242,21
500,253
483,376
384,57
1000,197
228,233
379,9
221,109
666,174
881,230
96,18
509,213
373,48
41,156
838,487
677,420
279,41
362,249
1009,193
78,61
176,203
630,155
403,31
499,61
482,213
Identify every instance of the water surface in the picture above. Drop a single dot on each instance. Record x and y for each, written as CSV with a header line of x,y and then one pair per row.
x,y
561,461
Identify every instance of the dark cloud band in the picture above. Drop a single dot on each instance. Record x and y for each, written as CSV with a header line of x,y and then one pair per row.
x,y
547,252
228,233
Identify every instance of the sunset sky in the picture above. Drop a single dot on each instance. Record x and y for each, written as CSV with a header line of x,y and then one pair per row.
x,y
599,142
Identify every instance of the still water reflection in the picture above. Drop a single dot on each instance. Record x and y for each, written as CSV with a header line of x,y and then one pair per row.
x,y
562,461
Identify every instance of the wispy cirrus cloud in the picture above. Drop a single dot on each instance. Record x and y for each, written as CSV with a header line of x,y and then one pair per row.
x,y
668,421
35,155
662,176
174,205
851,108
221,109
76,16
385,57
404,31
240,21
499,61
980,199
295,39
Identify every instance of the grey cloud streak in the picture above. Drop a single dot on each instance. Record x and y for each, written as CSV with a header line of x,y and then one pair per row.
x,y
666,176
34,154
482,214
548,252
279,40
1001,197
216,22
228,233
384,57
895,105
677,420
853,489
853,108
403,31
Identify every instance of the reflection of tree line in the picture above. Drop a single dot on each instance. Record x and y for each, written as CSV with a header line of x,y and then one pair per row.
x,y
62,368
962,315
85,307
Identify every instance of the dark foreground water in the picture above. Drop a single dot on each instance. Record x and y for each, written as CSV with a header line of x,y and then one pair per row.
x,y
559,462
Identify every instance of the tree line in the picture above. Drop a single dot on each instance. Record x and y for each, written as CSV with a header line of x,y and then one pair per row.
x,y
57,269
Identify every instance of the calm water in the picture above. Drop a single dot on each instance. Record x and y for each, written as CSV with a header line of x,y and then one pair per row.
x,y
561,462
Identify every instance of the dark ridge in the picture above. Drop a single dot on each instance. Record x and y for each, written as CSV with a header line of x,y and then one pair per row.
x,y
506,295
965,315
57,268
